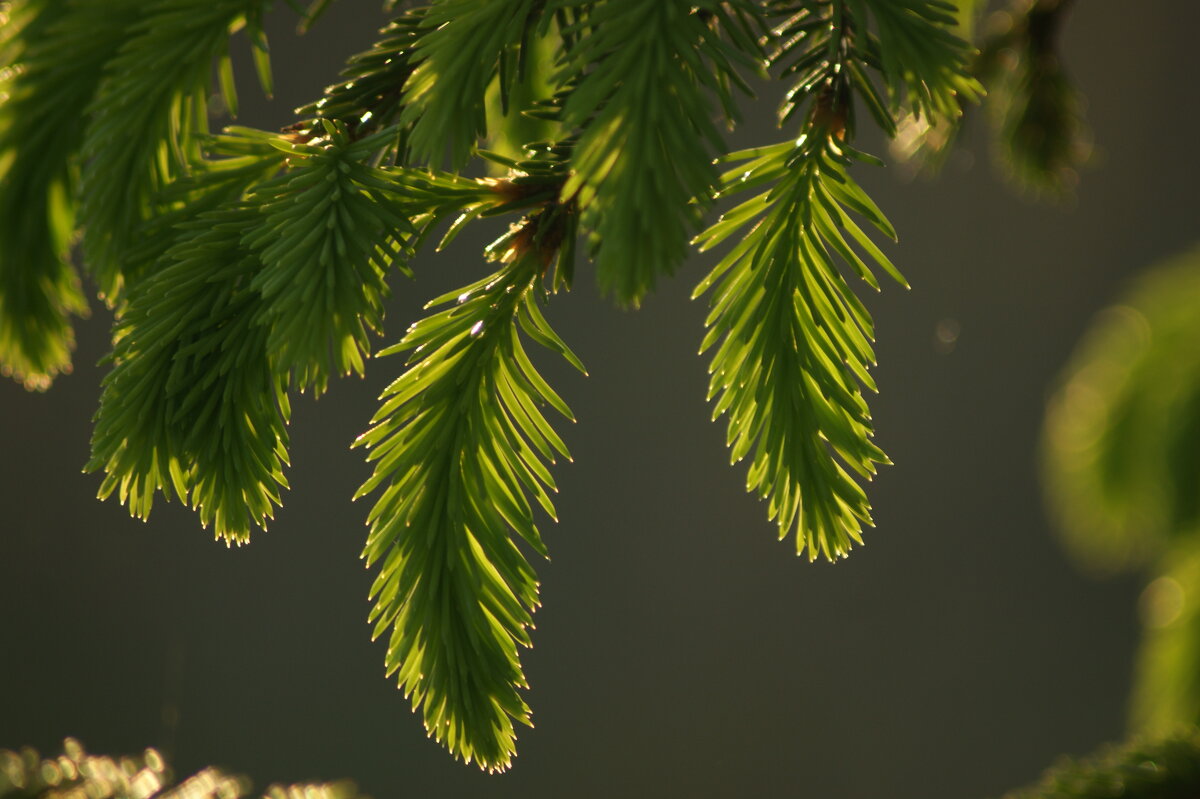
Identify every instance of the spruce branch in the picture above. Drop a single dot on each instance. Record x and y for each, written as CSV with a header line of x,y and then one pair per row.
x,y
42,96
914,65
194,403
923,142
148,107
330,228
643,172
923,63
459,445
793,341
244,264
369,97
464,46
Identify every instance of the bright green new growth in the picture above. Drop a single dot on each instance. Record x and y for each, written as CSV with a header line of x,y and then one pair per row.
x,y
245,265
642,167
40,130
150,103
459,446
330,228
795,342
464,46
462,443
795,345
189,359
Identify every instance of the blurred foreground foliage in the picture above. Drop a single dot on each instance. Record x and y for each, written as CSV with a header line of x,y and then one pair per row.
x,y
1167,767
1122,473
1123,433
76,774
1159,768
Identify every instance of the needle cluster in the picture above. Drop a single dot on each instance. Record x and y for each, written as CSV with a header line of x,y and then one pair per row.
x,y
246,266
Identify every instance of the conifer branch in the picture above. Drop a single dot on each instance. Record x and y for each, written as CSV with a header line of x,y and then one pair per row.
x,y
247,263
194,403
794,340
459,445
149,105
795,343
330,228
465,44
921,60
643,172
42,95
369,97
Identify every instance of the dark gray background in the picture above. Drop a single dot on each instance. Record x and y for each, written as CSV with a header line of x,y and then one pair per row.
x,y
681,650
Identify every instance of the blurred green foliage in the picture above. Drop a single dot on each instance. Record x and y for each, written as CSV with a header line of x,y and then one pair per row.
x,y
1036,113
1122,439
1166,768
1122,473
76,774
1041,137
1166,690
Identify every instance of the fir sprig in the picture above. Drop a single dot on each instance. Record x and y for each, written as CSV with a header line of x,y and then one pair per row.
x,y
795,342
42,97
924,64
368,99
459,446
149,104
642,168
245,264
915,63
466,45
194,403
330,228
